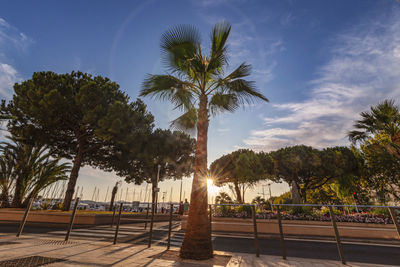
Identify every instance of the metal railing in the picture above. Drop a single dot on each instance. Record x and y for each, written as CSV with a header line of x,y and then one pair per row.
x,y
391,210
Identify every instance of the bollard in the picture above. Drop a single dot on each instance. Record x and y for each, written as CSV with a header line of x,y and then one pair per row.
x,y
255,231
112,221
170,226
394,219
119,221
22,224
71,223
281,232
151,224
147,216
339,244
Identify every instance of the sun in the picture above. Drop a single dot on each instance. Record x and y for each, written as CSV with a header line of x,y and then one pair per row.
x,y
211,187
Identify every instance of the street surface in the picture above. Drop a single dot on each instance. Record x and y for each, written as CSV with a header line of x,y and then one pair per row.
x,y
314,249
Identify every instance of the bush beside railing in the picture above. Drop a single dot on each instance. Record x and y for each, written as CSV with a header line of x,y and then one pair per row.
x,y
376,216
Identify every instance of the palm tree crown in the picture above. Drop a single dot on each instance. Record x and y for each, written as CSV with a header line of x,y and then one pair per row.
x,y
193,74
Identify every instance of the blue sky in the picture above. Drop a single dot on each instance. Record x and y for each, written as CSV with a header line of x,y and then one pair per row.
x,y
319,62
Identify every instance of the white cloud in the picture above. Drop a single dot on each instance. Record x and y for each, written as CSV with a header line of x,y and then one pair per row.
x,y
11,40
363,69
8,76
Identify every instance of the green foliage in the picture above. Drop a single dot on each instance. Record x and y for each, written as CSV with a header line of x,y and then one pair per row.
x,y
244,209
196,74
80,117
223,198
310,169
173,151
285,198
28,168
240,169
380,211
378,132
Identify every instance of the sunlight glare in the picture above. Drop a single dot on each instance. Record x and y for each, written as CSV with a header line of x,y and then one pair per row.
x,y
211,188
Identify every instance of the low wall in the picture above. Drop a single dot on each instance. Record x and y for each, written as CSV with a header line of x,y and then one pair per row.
x,y
304,228
81,218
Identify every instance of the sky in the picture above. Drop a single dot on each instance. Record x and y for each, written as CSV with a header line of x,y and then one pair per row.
x,y
320,63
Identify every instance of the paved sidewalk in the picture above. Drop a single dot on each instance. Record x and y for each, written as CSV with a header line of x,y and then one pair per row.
x,y
95,253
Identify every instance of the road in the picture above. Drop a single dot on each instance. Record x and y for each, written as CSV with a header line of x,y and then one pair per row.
x,y
135,233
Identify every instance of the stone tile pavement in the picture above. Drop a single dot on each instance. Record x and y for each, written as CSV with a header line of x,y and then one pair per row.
x,y
95,253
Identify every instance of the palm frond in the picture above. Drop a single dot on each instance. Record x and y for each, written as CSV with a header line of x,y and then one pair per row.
x,y
168,87
218,55
180,48
187,121
242,71
245,91
223,102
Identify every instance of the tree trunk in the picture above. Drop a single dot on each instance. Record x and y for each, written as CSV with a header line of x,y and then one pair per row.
x,y
237,192
69,194
295,193
197,241
304,195
113,194
154,194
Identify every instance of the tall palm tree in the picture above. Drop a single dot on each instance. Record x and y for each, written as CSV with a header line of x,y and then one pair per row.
x,y
196,84
382,119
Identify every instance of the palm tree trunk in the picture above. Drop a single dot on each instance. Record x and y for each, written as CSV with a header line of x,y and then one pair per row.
x,y
69,194
26,200
4,199
197,241
17,199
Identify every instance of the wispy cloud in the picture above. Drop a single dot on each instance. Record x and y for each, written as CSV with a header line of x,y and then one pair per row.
x,y
11,40
363,69
246,44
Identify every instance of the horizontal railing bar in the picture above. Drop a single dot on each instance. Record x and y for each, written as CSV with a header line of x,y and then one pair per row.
x,y
234,205
328,205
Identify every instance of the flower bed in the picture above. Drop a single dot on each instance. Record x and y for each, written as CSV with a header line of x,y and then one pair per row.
x,y
363,217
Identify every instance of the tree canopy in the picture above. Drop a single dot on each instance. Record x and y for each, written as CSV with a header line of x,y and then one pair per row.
x,y
173,151
80,117
240,169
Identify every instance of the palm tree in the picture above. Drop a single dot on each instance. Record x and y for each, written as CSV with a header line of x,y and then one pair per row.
x,y
382,119
196,84
30,168
223,198
7,178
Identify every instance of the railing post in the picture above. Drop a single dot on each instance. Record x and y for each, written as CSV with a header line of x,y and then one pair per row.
x,y
281,232
253,209
151,224
71,223
339,244
147,216
394,219
170,225
22,224
119,221
113,217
